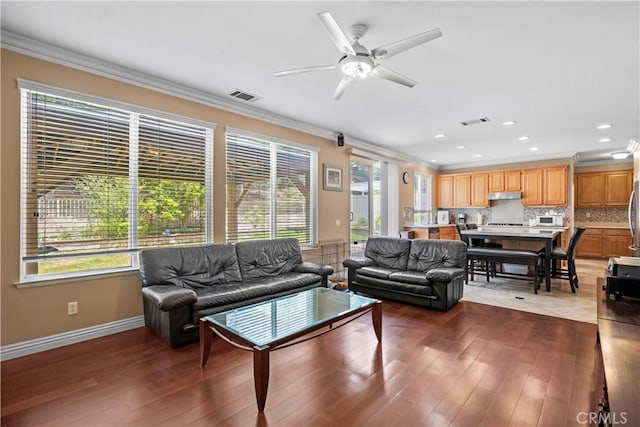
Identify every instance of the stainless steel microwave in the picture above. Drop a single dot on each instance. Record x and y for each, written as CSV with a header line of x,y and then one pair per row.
x,y
550,220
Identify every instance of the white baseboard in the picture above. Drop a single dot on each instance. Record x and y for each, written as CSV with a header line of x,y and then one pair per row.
x,y
37,345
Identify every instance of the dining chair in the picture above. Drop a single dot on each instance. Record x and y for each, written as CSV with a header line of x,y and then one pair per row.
x,y
559,254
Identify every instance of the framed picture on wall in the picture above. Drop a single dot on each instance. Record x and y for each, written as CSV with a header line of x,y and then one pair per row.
x,y
332,178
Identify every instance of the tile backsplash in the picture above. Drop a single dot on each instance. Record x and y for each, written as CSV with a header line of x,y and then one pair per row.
x,y
616,215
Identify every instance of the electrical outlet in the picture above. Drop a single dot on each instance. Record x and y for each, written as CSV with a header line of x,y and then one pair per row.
x,y
72,308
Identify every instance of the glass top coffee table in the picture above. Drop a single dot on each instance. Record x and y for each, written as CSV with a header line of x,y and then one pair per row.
x,y
282,322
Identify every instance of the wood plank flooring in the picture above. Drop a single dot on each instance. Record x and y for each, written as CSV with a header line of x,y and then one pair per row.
x,y
474,365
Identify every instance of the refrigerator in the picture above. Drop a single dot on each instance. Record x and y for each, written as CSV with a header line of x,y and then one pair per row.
x,y
634,218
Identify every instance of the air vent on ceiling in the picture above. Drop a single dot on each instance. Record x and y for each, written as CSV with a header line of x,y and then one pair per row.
x,y
475,122
244,96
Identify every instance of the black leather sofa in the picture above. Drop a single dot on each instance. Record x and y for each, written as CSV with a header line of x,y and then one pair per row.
x,y
182,284
424,272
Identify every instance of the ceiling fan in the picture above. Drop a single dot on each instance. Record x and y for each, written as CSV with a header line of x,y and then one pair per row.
x,y
358,61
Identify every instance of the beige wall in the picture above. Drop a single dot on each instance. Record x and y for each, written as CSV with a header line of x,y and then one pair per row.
x,y
34,312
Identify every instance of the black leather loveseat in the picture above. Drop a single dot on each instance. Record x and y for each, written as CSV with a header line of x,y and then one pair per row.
x,y
425,272
182,284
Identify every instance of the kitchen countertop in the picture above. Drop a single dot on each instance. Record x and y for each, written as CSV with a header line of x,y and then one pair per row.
x,y
429,226
614,225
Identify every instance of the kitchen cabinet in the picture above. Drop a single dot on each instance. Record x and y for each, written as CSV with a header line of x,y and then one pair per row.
x,y
448,233
590,244
510,180
555,186
532,187
513,180
544,186
604,243
616,243
479,190
444,191
589,189
462,190
607,188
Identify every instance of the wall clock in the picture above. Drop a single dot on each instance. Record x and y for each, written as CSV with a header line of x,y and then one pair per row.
x,y
405,177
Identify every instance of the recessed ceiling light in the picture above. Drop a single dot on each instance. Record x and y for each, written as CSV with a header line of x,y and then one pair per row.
x,y
434,161
605,140
523,138
440,135
477,155
460,147
620,155
509,123
534,148
604,126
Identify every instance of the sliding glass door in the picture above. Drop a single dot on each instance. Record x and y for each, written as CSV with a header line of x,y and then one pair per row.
x,y
365,200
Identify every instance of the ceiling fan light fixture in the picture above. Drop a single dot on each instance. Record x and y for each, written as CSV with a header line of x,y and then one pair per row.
x,y
356,66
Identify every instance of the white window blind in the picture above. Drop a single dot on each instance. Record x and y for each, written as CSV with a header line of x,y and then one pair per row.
x,y
421,198
99,182
271,188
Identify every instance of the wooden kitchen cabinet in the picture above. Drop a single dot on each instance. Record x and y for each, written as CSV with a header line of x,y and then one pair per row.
x,y
616,242
505,181
617,187
513,180
555,186
544,186
590,244
496,181
532,187
448,233
479,190
444,191
604,243
589,189
462,190
607,188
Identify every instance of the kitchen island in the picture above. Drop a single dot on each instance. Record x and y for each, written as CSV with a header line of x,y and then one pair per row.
x,y
543,237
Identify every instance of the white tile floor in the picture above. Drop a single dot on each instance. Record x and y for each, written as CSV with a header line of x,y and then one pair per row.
x,y
560,302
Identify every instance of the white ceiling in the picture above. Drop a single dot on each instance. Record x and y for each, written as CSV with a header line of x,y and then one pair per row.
x,y
557,68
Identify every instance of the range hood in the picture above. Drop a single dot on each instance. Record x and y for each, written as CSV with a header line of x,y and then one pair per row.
x,y
505,195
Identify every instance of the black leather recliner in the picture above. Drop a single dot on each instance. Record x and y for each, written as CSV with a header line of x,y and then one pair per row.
x,y
182,284
424,272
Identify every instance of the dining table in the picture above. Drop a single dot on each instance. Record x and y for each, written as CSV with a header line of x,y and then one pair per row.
x,y
549,238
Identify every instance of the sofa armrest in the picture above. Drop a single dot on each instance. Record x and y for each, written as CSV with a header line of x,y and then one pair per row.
x,y
168,297
358,262
444,275
312,267
322,270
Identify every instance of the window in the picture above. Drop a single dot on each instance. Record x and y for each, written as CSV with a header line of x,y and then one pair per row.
x,y
101,180
271,188
421,198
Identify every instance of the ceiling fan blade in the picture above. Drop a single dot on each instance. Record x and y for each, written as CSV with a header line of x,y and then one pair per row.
x,y
303,70
382,72
336,34
344,83
391,49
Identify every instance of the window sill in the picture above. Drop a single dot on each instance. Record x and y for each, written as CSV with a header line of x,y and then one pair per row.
x,y
59,280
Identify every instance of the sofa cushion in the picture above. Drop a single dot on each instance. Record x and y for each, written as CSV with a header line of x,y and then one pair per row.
x,y
390,285
429,254
190,267
379,272
262,258
414,277
388,252
236,292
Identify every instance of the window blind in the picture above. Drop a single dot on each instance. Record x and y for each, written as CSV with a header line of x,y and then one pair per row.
x,y
271,188
99,182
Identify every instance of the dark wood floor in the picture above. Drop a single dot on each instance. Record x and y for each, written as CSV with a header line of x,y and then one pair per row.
x,y
474,365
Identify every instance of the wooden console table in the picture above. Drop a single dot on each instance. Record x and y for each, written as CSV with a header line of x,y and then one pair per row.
x,y
619,339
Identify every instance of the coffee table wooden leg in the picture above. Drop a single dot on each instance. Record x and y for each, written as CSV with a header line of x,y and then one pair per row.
x,y
261,374
376,315
205,342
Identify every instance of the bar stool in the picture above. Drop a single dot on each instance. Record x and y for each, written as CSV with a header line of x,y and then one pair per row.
x,y
559,254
